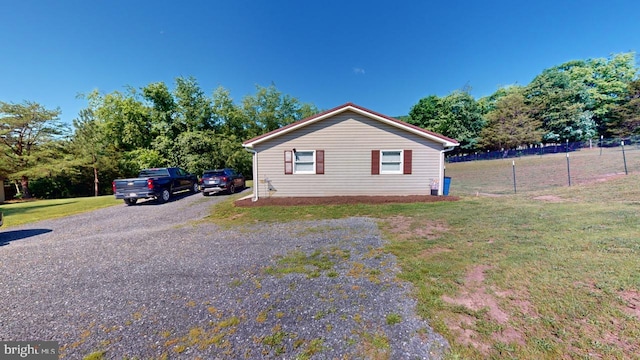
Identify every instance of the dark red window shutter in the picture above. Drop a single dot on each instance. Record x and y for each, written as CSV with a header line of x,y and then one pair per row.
x,y
375,162
288,162
408,161
319,161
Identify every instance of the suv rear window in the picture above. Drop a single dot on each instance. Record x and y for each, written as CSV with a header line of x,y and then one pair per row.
x,y
213,173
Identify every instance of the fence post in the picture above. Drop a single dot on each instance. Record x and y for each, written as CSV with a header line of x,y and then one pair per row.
x,y
568,170
624,158
513,165
601,136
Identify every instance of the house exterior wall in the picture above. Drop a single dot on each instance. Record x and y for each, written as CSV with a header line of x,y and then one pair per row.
x,y
347,140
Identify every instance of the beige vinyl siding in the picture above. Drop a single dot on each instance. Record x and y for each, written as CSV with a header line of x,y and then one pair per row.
x,y
347,140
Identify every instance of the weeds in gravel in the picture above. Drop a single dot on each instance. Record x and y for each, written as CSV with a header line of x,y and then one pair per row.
x,y
311,348
393,319
299,262
374,345
275,341
213,335
96,355
262,316
360,270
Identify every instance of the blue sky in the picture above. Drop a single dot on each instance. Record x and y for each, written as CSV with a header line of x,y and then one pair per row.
x,y
383,55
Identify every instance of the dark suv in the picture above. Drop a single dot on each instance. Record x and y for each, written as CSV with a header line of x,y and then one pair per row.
x,y
227,180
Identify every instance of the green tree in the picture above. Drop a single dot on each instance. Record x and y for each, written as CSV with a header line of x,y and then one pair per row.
x,y
163,110
31,136
510,123
186,110
132,161
625,117
183,127
605,84
427,113
229,117
194,108
464,119
488,103
89,147
127,121
561,106
269,109
457,115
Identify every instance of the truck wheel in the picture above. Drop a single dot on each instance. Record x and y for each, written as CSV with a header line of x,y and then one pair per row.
x,y
195,187
165,196
130,202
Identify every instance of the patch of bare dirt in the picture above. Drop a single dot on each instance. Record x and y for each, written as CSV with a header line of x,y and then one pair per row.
x,y
342,200
404,227
632,299
474,296
463,326
518,301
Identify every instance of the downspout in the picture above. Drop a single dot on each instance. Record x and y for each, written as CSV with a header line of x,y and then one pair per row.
x,y
441,182
256,186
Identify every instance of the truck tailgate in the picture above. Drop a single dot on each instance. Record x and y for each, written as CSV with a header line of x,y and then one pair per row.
x,y
131,185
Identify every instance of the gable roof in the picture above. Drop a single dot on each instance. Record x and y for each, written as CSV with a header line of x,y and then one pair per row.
x,y
359,110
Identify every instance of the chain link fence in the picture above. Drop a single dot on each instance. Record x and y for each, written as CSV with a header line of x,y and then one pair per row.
x,y
543,167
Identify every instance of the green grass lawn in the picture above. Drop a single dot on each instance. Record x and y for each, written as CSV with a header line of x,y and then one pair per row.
x,y
18,213
543,274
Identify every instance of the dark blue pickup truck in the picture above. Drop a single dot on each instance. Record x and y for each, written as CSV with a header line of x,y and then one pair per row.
x,y
158,183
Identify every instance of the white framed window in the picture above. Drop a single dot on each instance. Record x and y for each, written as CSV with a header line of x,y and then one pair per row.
x,y
391,161
304,162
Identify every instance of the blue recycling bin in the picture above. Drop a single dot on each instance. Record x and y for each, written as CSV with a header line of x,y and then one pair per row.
x,y
446,185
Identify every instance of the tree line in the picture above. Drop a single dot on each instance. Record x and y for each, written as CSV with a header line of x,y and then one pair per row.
x,y
575,101
121,132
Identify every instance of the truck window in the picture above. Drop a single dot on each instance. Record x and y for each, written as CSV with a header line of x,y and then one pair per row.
x,y
154,172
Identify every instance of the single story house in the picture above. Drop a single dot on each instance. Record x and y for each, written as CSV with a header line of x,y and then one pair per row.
x,y
348,150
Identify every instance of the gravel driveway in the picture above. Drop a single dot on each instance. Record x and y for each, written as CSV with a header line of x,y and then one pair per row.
x,y
153,281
